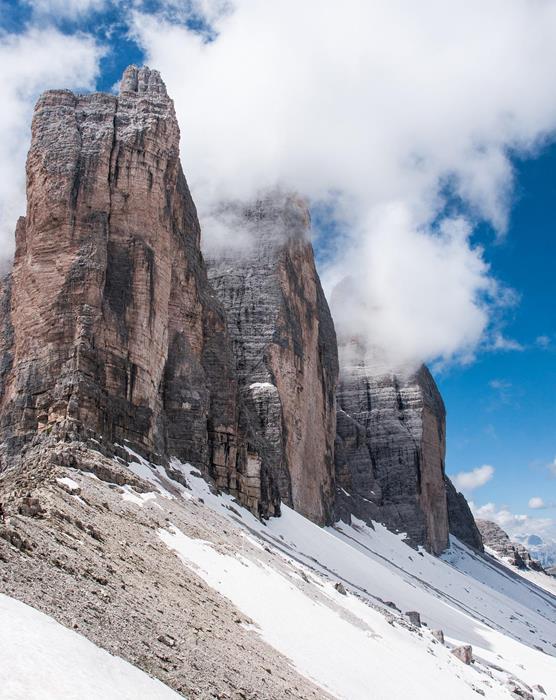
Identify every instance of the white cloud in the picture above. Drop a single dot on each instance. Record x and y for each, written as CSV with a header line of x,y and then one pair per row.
x,y
500,384
515,524
543,341
536,502
380,109
499,342
32,62
469,481
65,9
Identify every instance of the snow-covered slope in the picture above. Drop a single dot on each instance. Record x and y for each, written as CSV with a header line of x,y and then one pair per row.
x,y
42,660
227,591
345,642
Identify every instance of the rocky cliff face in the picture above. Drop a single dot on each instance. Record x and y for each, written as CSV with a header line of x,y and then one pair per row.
x,y
461,521
390,452
110,328
284,346
496,539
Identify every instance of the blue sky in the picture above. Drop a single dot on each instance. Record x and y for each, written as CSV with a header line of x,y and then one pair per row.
x,y
500,398
502,407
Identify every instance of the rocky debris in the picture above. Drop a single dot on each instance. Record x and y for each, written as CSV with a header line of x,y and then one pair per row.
x,y
13,538
438,635
340,588
69,486
519,691
390,449
463,653
30,507
414,618
496,539
460,519
539,689
128,592
167,639
284,346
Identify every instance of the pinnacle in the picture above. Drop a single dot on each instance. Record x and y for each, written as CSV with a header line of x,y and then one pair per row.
x,y
144,79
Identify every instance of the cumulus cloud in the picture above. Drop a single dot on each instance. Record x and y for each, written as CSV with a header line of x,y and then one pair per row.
x,y
389,116
32,62
538,503
543,341
474,479
516,525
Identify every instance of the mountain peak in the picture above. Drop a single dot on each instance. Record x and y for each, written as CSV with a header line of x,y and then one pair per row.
x,y
144,79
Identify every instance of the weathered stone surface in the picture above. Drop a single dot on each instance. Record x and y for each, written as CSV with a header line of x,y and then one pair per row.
x,y
110,328
495,538
284,346
390,450
463,653
414,618
97,564
438,635
461,521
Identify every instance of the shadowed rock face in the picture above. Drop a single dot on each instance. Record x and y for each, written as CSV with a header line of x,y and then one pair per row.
x,y
110,328
390,450
284,345
461,520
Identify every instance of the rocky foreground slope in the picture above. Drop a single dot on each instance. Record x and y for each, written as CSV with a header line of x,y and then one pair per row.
x,y
192,588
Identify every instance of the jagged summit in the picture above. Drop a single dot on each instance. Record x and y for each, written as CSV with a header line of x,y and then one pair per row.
x,y
142,80
496,539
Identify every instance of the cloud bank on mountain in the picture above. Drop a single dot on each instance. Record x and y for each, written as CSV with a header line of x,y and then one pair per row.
x,y
370,109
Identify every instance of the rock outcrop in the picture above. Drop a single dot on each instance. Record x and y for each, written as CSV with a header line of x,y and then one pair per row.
x,y
390,450
496,539
461,521
110,329
284,345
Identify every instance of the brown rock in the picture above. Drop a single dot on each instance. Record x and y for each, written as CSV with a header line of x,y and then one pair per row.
x,y
463,653
438,635
110,329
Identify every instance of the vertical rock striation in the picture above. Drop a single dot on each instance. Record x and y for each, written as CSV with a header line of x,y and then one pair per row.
x,y
284,345
461,521
390,452
110,328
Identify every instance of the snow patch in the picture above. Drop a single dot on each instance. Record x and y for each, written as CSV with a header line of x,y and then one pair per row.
x,y
42,660
69,484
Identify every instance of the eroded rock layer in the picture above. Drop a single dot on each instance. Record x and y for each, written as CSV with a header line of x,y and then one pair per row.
x,y
111,330
498,540
390,450
284,346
